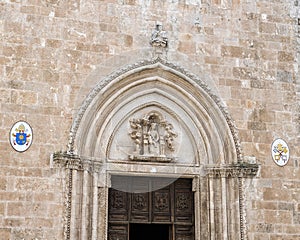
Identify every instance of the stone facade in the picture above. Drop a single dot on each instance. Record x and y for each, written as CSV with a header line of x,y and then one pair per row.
x,y
223,73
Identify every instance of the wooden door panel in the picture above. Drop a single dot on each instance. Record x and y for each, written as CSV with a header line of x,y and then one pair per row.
x,y
139,200
183,206
140,207
161,206
184,232
118,206
183,201
118,232
146,203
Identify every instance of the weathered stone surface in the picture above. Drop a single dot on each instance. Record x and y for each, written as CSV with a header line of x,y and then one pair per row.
x,y
54,53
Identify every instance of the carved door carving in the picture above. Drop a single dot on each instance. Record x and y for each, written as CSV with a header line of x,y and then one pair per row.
x,y
156,201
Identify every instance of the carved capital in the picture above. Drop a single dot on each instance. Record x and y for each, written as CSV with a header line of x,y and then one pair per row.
x,y
72,161
239,170
97,166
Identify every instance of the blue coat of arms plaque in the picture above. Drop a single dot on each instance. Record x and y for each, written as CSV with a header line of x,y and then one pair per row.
x,y
20,136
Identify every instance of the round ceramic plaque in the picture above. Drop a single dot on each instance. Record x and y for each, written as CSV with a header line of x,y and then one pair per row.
x,y
20,136
280,152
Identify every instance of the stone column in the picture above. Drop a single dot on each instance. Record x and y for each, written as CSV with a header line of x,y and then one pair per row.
x,y
81,213
219,177
224,207
85,201
95,207
211,208
74,204
197,206
104,184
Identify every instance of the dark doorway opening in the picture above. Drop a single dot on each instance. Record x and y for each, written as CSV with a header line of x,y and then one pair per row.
x,y
149,231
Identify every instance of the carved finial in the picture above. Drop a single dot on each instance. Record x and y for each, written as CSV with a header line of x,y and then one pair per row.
x,y
159,37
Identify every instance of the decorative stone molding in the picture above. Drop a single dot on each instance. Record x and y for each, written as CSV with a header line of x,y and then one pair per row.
x,y
239,170
242,209
147,64
134,121
74,166
72,161
68,200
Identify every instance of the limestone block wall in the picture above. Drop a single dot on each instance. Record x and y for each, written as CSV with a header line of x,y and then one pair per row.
x,y
53,52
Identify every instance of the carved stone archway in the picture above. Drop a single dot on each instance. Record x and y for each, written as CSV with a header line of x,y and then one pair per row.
x,y
154,119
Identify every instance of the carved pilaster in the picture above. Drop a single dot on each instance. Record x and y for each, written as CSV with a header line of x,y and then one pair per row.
x,y
68,198
75,166
222,175
65,160
243,221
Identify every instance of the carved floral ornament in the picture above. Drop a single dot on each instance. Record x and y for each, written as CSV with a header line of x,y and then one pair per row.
x,y
153,138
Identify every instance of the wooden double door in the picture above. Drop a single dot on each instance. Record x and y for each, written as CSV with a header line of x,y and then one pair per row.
x,y
150,208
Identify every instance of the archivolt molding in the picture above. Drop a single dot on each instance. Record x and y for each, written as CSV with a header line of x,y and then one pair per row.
x,y
82,172
179,71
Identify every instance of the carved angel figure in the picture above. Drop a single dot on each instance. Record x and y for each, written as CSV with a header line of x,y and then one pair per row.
x,y
169,136
136,134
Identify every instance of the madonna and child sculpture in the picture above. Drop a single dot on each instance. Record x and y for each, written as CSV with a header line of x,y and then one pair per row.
x,y
153,138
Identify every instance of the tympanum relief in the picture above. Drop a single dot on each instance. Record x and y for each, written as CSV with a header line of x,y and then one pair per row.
x,y
153,138
152,135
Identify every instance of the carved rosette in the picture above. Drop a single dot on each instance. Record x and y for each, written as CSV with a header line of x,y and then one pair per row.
x,y
182,201
118,200
139,202
161,203
153,138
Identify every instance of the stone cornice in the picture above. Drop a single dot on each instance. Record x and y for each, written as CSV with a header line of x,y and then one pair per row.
x,y
72,161
239,170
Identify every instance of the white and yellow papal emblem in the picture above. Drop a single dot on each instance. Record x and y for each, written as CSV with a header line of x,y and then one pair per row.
x,y
280,152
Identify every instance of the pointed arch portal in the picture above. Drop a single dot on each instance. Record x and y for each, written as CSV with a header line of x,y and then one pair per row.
x,y
154,119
